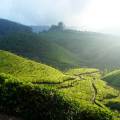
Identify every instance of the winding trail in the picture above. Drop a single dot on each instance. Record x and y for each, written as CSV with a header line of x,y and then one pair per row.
x,y
74,82
95,91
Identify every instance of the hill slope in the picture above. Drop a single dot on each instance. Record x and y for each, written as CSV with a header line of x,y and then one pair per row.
x,y
34,47
91,49
7,27
113,78
80,92
32,102
26,69
62,49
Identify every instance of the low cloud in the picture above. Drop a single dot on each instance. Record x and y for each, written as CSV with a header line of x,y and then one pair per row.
x,y
41,11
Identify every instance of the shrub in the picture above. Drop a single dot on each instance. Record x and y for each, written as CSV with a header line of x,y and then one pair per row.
x,y
36,103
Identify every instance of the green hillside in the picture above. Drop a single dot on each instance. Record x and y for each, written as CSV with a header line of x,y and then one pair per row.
x,y
113,78
88,81
91,49
32,102
61,49
34,47
33,90
27,70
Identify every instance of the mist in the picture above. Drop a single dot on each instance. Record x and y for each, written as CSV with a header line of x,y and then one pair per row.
x,y
41,12
92,15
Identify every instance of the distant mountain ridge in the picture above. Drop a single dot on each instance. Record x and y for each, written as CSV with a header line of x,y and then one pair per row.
x,y
62,49
38,29
91,49
7,27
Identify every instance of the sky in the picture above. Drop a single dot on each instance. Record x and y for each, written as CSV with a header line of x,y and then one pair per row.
x,y
91,15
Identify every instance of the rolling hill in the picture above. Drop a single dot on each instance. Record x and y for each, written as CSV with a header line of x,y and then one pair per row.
x,y
33,90
62,49
30,102
32,46
38,89
113,78
92,49
19,39
27,70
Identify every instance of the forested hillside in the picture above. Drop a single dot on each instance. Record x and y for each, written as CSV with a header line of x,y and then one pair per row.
x,y
62,49
7,27
91,49
34,47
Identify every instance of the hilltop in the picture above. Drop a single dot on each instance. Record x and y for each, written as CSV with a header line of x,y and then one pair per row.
x,y
7,27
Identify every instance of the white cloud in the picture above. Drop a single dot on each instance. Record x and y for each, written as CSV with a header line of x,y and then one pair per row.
x,y
102,15
41,11
95,15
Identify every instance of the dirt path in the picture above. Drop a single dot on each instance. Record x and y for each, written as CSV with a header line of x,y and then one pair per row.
x,y
95,91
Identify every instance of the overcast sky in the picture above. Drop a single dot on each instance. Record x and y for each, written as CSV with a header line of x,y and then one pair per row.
x,y
94,15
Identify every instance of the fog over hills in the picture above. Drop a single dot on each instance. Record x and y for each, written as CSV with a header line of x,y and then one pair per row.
x,y
59,60
58,67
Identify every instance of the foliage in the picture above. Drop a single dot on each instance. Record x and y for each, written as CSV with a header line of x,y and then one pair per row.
x,y
28,70
62,49
36,91
32,46
60,96
113,78
33,102
90,49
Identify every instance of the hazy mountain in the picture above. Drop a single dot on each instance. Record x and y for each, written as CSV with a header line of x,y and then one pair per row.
x,y
62,48
34,47
7,27
38,29
91,49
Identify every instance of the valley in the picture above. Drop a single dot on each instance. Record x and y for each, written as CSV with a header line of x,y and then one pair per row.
x,y
58,74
